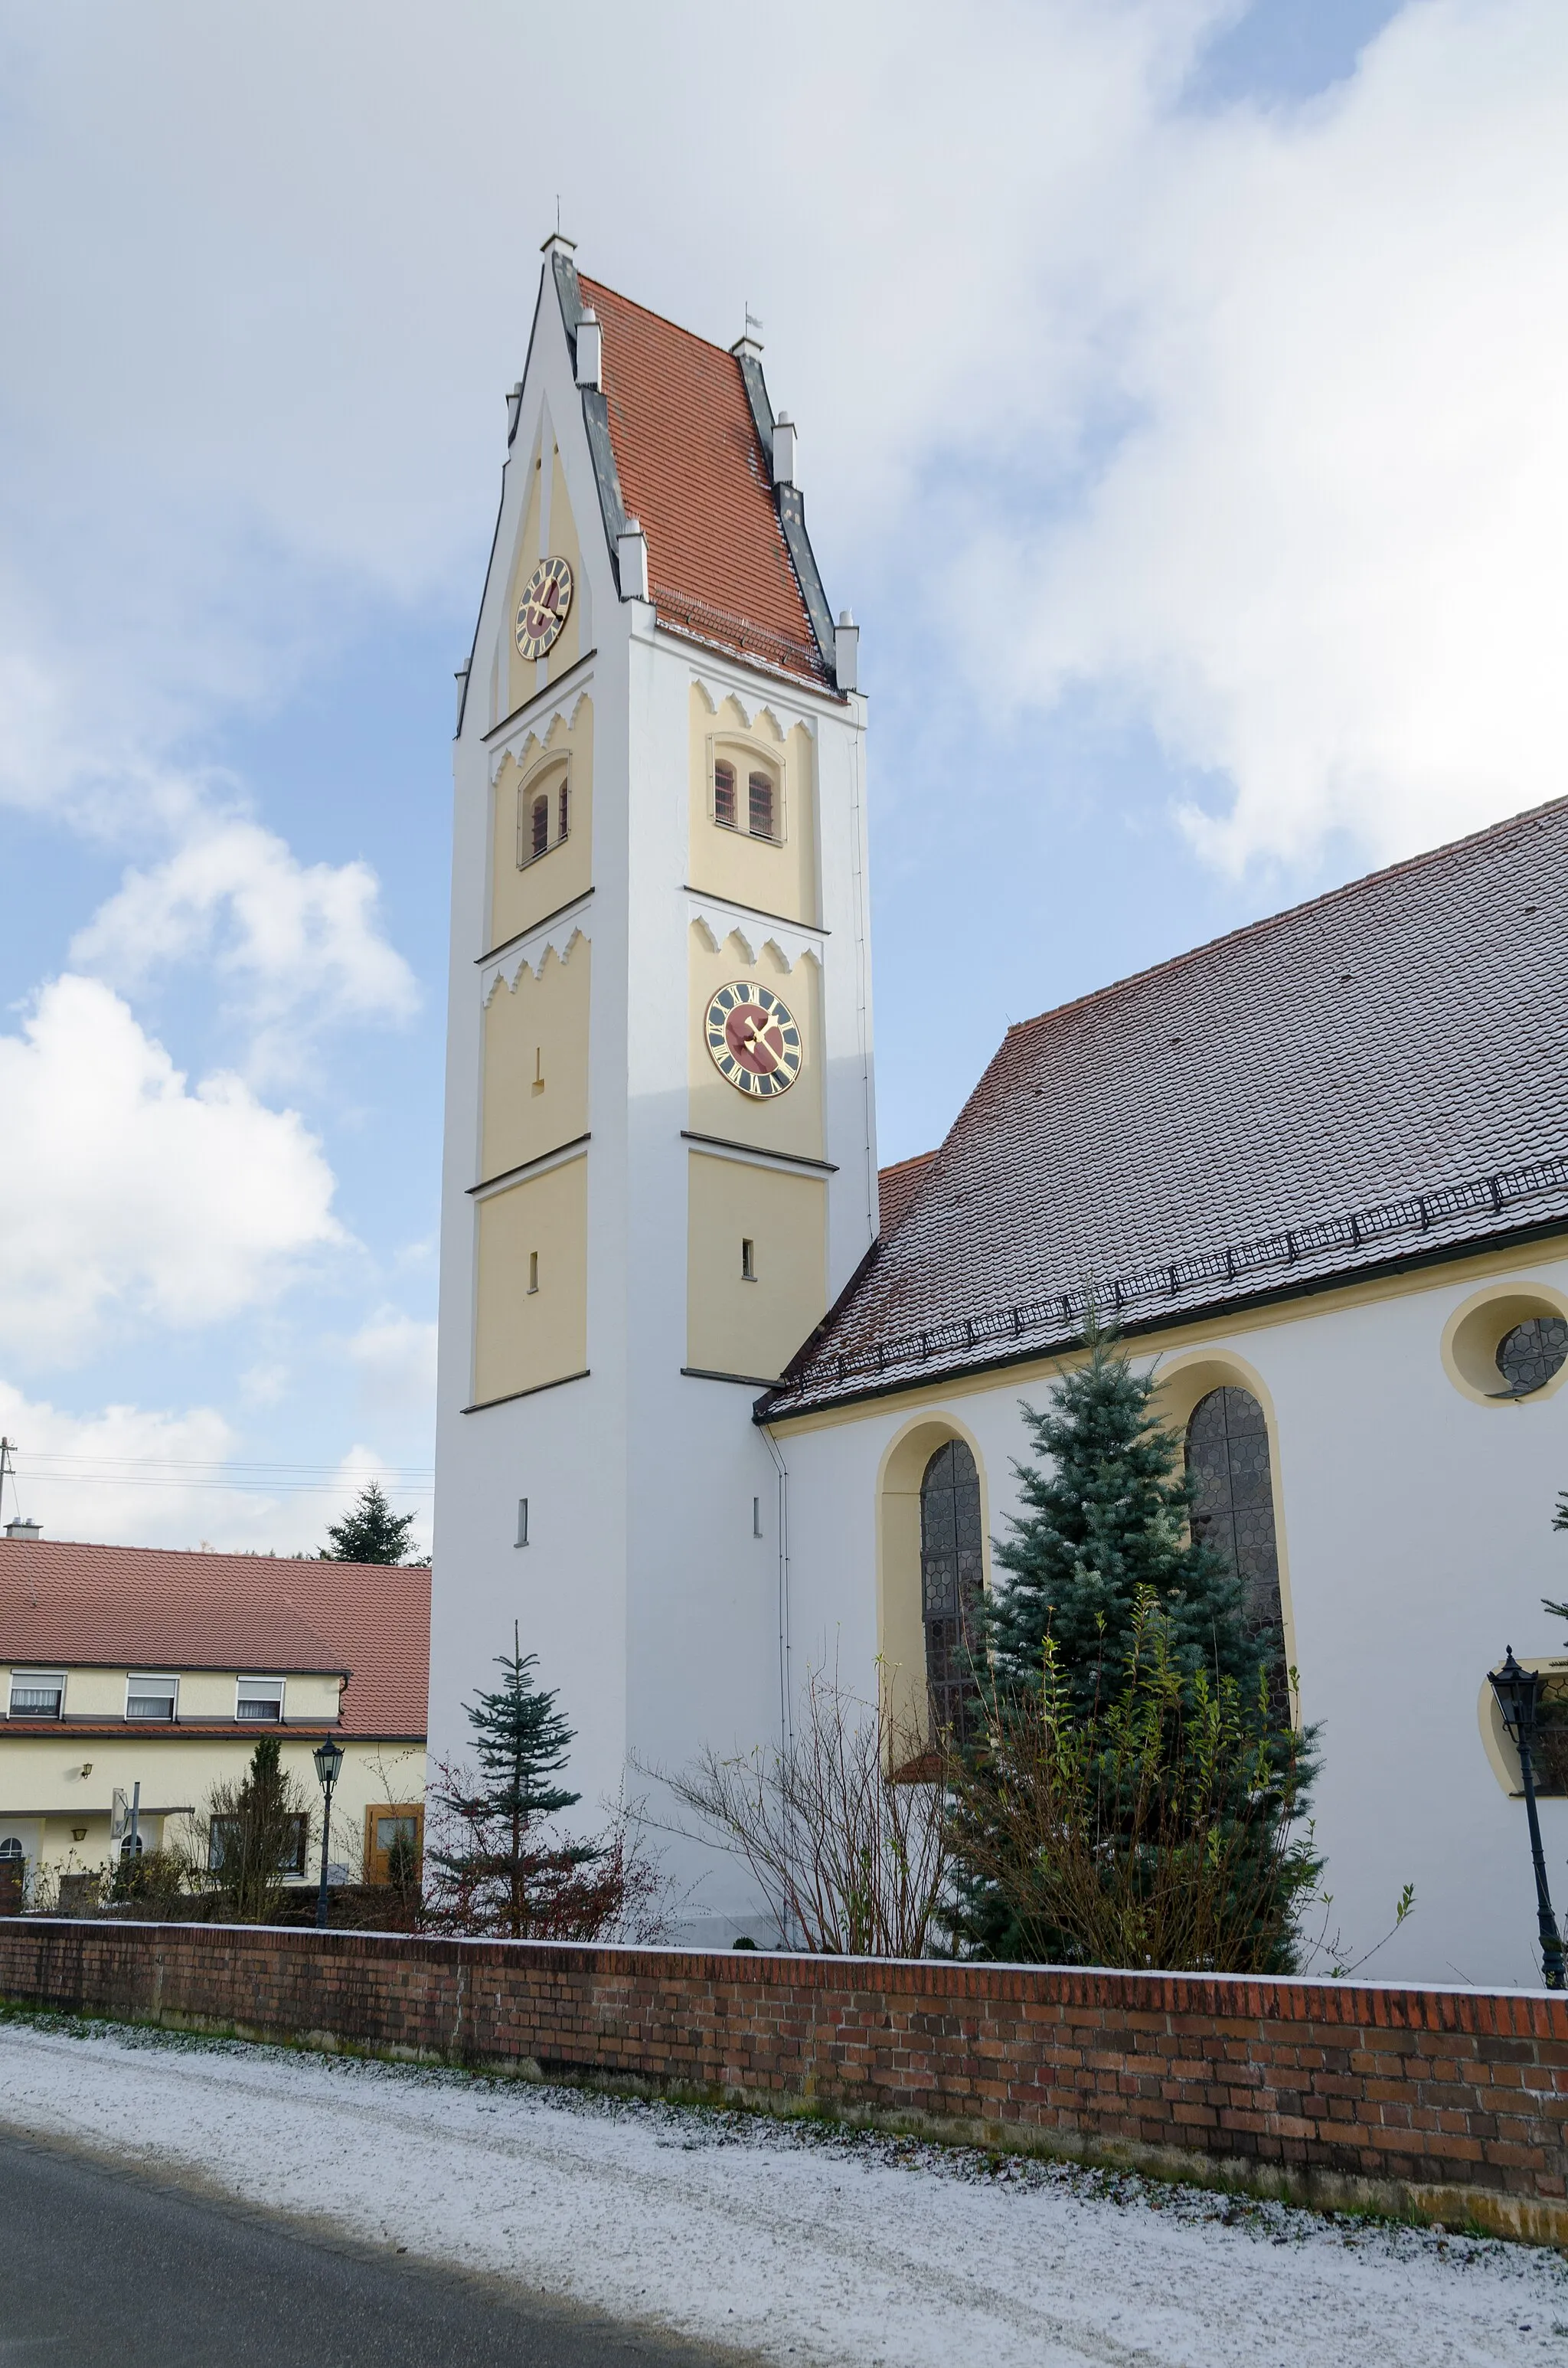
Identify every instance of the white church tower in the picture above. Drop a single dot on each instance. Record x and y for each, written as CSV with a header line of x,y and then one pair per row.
x,y
660,1162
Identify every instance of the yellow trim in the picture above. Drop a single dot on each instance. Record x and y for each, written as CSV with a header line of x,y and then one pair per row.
x,y
1241,1318
901,1632
1180,1386
1473,1334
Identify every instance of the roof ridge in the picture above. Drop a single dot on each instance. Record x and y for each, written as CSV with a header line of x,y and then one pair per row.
x,y
1287,913
602,288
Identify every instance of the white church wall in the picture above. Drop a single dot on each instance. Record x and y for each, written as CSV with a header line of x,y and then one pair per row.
x,y
1416,1545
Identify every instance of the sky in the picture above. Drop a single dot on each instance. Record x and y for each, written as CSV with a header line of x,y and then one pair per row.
x,y
1180,388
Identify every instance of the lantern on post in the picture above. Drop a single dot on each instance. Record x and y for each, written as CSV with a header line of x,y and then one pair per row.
x,y
328,1758
1518,1698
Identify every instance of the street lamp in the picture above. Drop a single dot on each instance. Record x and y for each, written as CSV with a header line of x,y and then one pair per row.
x,y
329,1761
1518,1697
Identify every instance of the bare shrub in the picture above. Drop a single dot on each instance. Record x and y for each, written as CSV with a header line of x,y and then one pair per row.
x,y
850,1856
488,1874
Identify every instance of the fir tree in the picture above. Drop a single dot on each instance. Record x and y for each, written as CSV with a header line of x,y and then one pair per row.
x,y
369,1531
1102,1545
1107,1522
507,1876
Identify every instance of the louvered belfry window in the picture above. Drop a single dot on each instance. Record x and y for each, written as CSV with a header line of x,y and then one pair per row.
x,y
760,806
951,1581
1227,1460
724,795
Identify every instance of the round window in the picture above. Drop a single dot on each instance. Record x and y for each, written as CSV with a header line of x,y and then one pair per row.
x,y
1530,1354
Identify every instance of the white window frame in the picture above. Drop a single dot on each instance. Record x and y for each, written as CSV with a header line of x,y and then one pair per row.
x,y
26,1678
747,757
552,775
144,1681
283,1686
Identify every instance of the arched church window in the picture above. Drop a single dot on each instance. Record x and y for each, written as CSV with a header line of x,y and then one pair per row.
x,y
951,1581
1232,1509
761,804
1530,1354
539,830
724,794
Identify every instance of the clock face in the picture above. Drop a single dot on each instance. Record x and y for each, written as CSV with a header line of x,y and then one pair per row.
x,y
754,1039
546,604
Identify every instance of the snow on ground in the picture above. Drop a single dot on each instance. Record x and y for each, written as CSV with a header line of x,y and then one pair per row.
x,y
794,2242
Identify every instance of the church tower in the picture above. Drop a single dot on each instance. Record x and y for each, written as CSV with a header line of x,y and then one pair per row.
x,y
660,1159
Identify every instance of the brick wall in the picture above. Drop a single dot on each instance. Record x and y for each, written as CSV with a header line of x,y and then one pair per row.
x,y
1452,2104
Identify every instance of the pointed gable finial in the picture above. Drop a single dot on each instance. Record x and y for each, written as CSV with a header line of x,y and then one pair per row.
x,y
748,344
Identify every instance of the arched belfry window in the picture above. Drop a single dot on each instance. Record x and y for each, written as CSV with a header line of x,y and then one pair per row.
x,y
1227,1462
951,1578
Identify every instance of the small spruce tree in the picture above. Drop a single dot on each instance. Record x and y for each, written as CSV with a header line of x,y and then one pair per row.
x,y
1103,1542
369,1531
505,1875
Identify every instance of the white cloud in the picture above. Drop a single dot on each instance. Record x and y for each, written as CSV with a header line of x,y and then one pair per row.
x,y
1246,419
298,944
396,1359
125,1194
131,1476
1326,559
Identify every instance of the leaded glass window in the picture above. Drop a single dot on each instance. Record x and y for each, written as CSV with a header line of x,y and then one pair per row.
x,y
953,1579
1530,1355
1227,1462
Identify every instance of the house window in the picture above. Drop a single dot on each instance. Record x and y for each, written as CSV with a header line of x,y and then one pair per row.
x,y
1233,1505
36,1696
952,1581
761,802
260,1699
151,1697
11,1848
226,1842
724,795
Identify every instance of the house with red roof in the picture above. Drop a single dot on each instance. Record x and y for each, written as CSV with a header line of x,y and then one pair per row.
x,y
133,1680
720,1406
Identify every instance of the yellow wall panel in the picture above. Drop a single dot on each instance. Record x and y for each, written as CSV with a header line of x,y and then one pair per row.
x,y
791,1122
522,895
536,1062
531,1288
772,878
751,1326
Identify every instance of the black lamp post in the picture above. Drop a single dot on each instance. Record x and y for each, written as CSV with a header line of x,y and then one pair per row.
x,y
329,1760
1518,1696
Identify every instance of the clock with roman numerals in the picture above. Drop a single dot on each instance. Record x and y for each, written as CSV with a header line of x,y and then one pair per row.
x,y
754,1039
546,605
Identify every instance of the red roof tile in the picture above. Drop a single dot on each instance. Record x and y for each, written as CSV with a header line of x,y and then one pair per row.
x,y
693,471
149,1607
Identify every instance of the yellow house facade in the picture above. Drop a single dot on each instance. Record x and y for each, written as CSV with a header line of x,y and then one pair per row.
x,y
135,1683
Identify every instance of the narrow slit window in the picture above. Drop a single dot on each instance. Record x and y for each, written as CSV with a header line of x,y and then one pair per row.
x,y
724,795
540,841
533,1271
761,806
748,1259
522,1536
756,1516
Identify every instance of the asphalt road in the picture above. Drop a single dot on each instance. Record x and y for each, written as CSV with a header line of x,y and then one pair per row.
x,y
100,2267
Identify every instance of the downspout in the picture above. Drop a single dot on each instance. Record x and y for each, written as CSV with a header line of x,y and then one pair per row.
x,y
786,1713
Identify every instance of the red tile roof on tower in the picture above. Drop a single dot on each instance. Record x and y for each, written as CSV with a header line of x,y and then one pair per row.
x,y
693,471
1379,1077
151,1608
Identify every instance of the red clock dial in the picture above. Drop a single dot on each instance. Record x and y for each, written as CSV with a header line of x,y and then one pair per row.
x,y
754,1039
546,605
